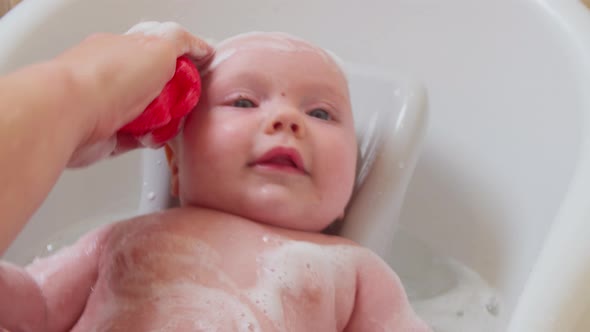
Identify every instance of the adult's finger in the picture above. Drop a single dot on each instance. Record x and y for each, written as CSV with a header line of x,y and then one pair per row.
x,y
183,41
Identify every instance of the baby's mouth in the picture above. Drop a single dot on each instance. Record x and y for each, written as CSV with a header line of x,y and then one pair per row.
x,y
281,159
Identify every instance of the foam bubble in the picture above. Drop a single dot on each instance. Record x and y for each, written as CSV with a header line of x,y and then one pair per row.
x,y
288,267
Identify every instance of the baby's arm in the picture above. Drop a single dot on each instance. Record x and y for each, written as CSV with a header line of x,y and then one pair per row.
x,y
381,303
50,294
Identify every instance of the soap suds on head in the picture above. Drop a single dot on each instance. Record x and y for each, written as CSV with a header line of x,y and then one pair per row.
x,y
280,40
219,58
277,41
338,61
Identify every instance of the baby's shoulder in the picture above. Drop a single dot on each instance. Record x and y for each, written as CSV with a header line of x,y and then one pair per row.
x,y
136,229
170,220
345,251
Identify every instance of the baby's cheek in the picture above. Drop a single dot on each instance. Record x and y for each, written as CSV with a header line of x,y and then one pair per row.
x,y
217,138
338,162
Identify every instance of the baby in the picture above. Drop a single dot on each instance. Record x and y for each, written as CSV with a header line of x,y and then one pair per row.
x,y
263,165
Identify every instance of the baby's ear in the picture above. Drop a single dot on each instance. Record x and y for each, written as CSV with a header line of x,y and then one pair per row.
x,y
172,157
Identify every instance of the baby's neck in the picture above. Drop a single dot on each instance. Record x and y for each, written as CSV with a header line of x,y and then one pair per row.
x,y
332,229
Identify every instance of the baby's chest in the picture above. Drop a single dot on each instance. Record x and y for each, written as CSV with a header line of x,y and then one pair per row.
x,y
281,282
295,267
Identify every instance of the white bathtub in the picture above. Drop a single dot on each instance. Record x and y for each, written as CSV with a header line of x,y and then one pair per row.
x,y
508,84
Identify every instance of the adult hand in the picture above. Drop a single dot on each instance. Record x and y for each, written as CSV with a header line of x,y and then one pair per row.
x,y
66,111
115,77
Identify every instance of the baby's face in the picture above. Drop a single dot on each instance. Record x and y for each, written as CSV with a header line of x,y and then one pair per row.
x,y
272,138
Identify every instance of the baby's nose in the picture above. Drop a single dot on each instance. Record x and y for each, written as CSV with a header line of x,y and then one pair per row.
x,y
286,121
279,124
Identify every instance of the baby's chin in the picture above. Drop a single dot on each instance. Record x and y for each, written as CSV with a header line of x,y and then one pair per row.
x,y
283,210
296,223
297,218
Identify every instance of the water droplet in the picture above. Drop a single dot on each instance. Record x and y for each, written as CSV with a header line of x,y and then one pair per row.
x,y
265,239
151,196
145,183
49,247
493,307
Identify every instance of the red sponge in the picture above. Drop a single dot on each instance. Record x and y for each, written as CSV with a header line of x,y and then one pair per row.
x,y
162,119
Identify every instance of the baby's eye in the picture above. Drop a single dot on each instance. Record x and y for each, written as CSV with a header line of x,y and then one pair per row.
x,y
243,103
320,114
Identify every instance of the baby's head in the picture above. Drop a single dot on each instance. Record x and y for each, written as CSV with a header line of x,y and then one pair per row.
x,y
272,138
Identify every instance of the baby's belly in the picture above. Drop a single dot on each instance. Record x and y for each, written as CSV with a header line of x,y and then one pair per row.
x,y
173,282
181,307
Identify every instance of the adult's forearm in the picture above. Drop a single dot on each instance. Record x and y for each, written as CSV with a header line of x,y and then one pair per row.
x,y
40,127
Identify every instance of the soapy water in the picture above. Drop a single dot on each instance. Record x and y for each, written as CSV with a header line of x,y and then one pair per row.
x,y
448,295
471,305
